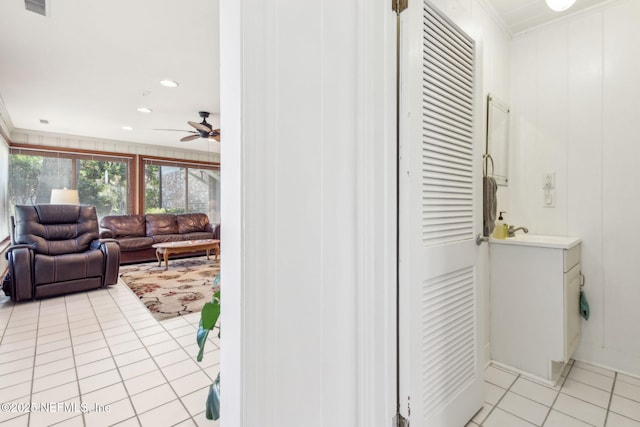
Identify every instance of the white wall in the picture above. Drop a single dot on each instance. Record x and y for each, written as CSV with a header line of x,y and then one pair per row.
x,y
575,109
4,207
301,114
5,125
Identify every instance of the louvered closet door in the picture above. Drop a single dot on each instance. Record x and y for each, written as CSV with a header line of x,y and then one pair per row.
x,y
440,374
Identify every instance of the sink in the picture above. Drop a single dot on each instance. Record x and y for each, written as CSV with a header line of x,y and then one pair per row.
x,y
560,242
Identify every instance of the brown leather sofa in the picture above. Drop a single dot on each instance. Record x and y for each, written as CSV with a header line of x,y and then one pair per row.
x,y
56,250
137,233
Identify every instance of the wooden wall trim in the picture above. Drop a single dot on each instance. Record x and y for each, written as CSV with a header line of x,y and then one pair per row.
x,y
32,147
185,162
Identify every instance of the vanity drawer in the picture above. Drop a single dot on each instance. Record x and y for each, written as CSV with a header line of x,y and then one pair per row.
x,y
571,257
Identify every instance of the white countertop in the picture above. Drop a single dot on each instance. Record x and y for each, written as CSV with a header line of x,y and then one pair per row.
x,y
560,242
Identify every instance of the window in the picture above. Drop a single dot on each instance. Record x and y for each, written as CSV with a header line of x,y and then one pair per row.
x,y
101,181
180,187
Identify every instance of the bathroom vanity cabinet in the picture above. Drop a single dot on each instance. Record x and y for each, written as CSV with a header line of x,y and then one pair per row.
x,y
535,296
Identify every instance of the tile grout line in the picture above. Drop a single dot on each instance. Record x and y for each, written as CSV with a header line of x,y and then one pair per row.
x,y
122,381
73,356
613,386
168,382
4,331
33,367
592,372
558,393
589,385
95,309
95,316
501,397
158,322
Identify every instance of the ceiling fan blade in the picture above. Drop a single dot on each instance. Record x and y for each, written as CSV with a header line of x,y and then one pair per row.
x,y
200,126
189,138
178,130
215,135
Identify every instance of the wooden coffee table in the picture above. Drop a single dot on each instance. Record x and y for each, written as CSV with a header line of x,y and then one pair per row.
x,y
167,248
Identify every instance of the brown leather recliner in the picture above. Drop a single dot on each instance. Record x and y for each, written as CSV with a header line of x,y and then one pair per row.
x,y
56,251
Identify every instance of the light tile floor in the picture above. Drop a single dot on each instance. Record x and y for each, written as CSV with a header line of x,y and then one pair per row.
x,y
100,358
586,396
104,352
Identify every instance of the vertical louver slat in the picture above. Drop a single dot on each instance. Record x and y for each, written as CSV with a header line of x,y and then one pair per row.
x,y
447,137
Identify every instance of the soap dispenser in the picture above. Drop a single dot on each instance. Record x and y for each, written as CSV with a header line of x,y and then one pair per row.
x,y
500,231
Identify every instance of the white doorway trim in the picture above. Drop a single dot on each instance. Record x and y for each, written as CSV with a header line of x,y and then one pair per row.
x,y
246,34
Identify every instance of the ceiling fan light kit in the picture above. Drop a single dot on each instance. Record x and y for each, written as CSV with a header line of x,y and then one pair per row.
x,y
559,5
202,129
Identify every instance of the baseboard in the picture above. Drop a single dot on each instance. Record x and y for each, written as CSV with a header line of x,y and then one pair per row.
x,y
608,358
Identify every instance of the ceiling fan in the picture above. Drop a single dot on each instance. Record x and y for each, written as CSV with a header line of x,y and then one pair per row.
x,y
202,129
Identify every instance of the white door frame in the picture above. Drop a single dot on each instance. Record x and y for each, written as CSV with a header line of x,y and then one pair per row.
x,y
375,318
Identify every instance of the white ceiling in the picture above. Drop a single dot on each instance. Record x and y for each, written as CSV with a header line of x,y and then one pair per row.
x,y
520,15
89,64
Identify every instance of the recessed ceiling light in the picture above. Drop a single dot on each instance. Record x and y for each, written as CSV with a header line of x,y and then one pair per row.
x,y
127,128
145,110
168,83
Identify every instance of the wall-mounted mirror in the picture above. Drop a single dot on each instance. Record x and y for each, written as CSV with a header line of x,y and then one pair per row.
x,y
497,147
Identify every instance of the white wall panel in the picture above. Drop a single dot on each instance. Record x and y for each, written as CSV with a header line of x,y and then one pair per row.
x,y
538,130
523,134
4,196
295,230
298,180
580,121
621,158
584,160
550,153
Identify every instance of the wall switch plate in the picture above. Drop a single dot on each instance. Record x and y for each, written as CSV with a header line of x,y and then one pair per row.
x,y
549,198
549,180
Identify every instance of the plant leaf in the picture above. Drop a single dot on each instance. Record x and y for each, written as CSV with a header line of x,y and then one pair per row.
x,y
201,338
210,314
213,400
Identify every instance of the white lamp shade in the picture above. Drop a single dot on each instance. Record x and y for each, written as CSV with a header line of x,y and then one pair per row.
x,y
560,5
64,197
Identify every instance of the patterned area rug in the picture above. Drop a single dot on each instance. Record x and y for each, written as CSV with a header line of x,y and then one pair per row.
x,y
182,289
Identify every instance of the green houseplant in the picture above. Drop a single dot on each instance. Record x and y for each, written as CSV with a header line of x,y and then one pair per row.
x,y
208,319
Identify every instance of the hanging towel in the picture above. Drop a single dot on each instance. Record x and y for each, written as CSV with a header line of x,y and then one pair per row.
x,y
584,306
490,204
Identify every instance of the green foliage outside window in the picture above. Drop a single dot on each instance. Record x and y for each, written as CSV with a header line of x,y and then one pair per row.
x,y
24,175
103,184
152,189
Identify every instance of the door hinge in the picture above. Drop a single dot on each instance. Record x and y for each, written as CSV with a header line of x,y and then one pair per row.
x,y
399,5
400,421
